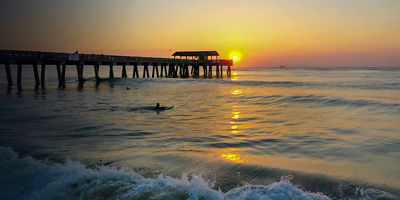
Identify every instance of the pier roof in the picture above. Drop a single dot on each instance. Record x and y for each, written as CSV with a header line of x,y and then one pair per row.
x,y
196,53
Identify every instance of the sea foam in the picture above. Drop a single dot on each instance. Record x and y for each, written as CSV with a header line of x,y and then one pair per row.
x,y
28,178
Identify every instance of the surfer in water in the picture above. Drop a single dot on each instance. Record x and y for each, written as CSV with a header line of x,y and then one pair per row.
x,y
158,107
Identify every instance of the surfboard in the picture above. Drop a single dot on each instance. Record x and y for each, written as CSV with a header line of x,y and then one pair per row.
x,y
165,108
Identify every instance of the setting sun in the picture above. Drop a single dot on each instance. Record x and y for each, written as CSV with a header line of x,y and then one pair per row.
x,y
235,56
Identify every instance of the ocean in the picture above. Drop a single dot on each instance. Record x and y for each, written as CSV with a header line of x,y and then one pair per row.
x,y
263,133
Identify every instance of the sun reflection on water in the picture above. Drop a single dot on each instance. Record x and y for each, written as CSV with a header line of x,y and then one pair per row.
x,y
233,158
235,115
237,92
235,126
234,76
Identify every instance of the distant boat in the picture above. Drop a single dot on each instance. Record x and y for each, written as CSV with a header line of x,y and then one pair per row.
x,y
283,66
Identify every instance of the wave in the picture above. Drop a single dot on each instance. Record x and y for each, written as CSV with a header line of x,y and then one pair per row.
x,y
120,81
270,83
258,83
362,85
28,178
323,101
321,85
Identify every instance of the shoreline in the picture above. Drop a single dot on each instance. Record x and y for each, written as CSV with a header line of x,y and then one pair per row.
x,y
228,181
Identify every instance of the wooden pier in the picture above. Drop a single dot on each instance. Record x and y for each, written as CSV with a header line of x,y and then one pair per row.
x,y
187,65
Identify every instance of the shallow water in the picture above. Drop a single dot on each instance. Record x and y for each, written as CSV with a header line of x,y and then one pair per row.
x,y
258,134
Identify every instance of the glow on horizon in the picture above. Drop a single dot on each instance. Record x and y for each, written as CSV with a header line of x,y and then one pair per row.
x,y
235,56
266,33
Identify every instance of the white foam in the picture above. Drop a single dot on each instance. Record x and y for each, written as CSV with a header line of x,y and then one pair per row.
x,y
27,178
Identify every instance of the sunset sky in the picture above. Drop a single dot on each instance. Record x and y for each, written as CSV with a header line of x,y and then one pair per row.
x,y
268,33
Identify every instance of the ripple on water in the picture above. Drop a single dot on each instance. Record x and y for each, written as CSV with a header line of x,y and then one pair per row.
x,y
242,144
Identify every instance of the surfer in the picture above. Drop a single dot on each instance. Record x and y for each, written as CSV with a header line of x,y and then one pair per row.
x,y
158,107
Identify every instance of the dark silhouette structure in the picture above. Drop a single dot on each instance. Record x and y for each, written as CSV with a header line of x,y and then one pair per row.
x,y
169,67
205,57
197,55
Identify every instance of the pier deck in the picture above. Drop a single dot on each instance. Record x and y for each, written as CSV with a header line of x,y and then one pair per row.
x,y
169,67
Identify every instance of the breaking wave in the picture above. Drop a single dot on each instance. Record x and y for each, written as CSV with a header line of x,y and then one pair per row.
x,y
28,178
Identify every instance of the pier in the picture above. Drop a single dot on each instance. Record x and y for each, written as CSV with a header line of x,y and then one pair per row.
x,y
184,65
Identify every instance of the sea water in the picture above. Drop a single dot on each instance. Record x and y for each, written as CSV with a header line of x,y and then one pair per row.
x,y
291,133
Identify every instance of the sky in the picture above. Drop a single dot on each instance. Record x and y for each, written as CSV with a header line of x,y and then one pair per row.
x,y
267,33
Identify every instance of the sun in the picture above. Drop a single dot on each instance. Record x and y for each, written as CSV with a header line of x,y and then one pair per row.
x,y
235,56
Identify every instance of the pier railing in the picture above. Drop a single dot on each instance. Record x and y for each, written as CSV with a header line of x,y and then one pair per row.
x,y
31,57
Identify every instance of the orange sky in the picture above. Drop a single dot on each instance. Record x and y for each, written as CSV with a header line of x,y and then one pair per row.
x,y
268,33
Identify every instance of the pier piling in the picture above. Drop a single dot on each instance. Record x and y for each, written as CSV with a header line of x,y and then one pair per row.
x,y
96,71
176,67
162,70
171,70
59,75
9,76
111,75
158,75
79,70
153,71
196,71
165,71
63,75
19,77
135,71
187,71
42,75
36,74
146,71
124,75
205,70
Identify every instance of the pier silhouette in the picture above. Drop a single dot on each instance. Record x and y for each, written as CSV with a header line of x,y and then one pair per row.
x,y
183,65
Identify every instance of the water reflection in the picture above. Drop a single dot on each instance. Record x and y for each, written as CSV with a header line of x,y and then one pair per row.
x,y
237,92
235,115
235,112
234,76
272,125
233,158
